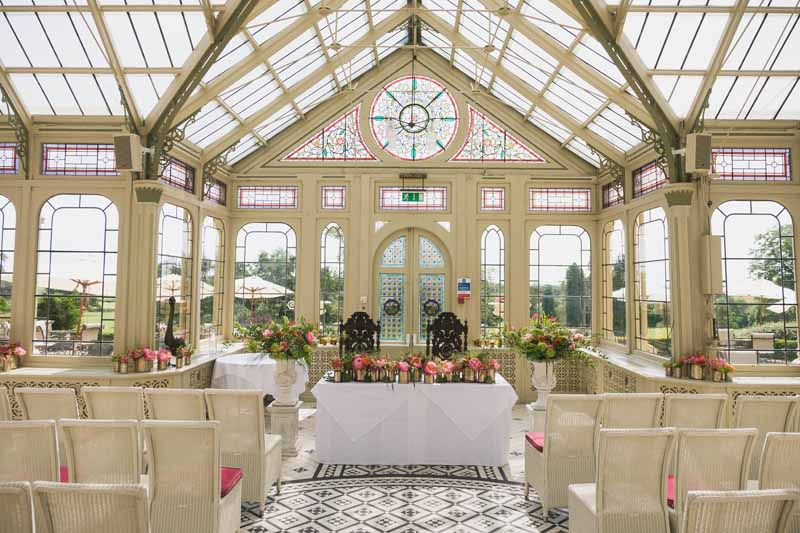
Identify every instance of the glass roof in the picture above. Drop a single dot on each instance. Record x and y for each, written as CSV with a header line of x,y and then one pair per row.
x,y
78,57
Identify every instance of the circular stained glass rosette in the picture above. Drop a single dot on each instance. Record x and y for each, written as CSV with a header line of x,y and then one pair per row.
x,y
414,118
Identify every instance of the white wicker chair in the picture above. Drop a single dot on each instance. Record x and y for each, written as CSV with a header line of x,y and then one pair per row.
x,y
567,452
760,511
5,405
780,467
75,507
701,411
190,492
244,442
766,414
175,404
631,410
114,403
625,499
15,501
709,459
40,403
102,451
28,451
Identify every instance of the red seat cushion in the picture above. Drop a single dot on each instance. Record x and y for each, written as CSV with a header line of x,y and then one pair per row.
x,y
229,477
536,439
671,491
63,474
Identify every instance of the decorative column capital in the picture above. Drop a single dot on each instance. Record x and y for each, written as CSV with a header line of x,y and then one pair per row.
x,y
148,191
679,194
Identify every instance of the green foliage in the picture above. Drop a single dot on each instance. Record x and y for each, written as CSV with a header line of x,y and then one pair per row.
x,y
62,310
770,247
574,289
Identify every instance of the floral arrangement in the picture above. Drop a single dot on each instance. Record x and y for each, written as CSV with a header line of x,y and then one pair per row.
x,y
163,355
544,339
10,356
287,339
697,359
431,369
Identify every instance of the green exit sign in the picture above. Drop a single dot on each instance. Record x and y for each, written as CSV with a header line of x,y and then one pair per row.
x,y
413,196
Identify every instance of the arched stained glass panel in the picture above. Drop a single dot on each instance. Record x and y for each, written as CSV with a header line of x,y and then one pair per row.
x,y
430,256
395,253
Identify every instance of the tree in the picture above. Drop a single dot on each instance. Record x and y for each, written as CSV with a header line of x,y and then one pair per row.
x,y
774,257
548,302
575,286
62,310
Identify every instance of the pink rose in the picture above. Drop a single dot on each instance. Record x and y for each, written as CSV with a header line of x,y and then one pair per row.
x,y
380,363
495,364
447,366
527,337
358,363
164,355
267,333
19,351
475,364
430,368
311,339
148,354
402,366
579,337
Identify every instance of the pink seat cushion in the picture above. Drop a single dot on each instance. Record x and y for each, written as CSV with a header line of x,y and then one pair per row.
x,y
229,477
671,491
536,439
63,474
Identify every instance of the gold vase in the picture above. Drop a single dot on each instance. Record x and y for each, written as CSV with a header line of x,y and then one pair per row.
x,y
123,368
141,365
187,360
696,372
375,374
337,376
163,365
179,362
430,379
481,376
403,377
361,374
469,375
677,372
668,371
7,365
716,375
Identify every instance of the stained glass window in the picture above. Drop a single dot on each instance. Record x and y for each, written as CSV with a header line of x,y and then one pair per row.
x,y
613,194
391,306
216,191
212,280
430,256
561,275
331,282
339,141
395,253
431,289
493,281
334,196
487,141
493,199
614,283
651,291
560,199
178,174
400,199
78,160
174,271
9,158
268,197
266,259
8,222
754,164
647,179
414,118
76,276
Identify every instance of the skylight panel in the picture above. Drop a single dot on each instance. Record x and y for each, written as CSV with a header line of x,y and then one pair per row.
x,y
731,97
614,126
573,95
391,41
481,27
25,27
147,89
92,99
476,72
362,62
647,32
30,92
345,26
772,92
593,53
236,50
212,123
182,32
148,34
552,21
246,145
278,121
318,93
680,91
444,9
271,21
763,40
531,65
59,94
72,37
552,126
578,146
384,8
511,97
437,43
301,56
790,108
252,95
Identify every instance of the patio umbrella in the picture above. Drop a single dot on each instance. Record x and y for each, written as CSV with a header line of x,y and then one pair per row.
x,y
255,288
172,283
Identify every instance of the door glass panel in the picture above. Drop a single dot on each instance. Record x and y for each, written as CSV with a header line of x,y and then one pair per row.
x,y
431,289
430,256
391,305
395,254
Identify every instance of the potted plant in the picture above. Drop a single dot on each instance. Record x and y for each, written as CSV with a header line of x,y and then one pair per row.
x,y
337,365
163,356
475,367
727,369
715,369
184,355
360,367
430,370
402,372
124,361
668,365
115,363
11,355
492,366
697,364
288,343
446,371
416,367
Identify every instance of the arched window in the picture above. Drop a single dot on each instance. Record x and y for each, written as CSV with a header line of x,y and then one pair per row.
x,y
614,291
757,311
8,221
493,281
265,272
76,276
651,282
174,272
212,277
561,276
331,279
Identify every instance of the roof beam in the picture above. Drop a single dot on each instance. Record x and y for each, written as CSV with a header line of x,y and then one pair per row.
x,y
721,53
641,8
343,57
619,17
13,99
18,118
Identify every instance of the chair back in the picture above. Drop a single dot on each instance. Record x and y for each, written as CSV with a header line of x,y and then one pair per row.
x,y
702,411
184,475
5,405
757,511
359,334
28,451
15,501
631,410
780,467
39,403
176,404
241,417
446,336
114,403
633,499
569,441
102,451
76,507
766,414
711,459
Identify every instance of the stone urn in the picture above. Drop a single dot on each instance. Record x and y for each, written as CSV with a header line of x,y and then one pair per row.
x,y
285,377
543,377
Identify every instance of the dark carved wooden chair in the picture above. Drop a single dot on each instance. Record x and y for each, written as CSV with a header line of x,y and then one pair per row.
x,y
359,334
447,335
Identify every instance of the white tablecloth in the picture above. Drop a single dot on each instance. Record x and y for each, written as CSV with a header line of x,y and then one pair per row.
x,y
253,371
440,424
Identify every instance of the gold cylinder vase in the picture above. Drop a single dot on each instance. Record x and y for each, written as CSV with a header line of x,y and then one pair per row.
x,y
403,377
430,379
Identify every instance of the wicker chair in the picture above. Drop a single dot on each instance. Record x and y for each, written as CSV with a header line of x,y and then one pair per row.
x,y
15,501
780,467
28,451
244,442
5,405
701,411
175,404
631,410
102,451
191,493
566,452
114,403
709,459
766,414
39,403
760,511
625,499
72,507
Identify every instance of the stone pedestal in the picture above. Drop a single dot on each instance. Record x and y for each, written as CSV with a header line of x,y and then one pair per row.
x,y
284,421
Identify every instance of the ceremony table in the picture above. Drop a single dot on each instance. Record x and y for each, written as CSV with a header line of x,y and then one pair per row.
x,y
253,371
392,424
